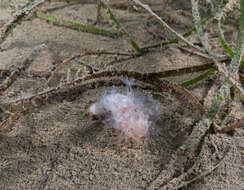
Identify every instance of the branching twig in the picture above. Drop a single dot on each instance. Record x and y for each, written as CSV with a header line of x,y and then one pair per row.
x,y
199,28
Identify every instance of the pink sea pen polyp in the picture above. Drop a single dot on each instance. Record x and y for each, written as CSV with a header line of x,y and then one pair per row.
x,y
134,117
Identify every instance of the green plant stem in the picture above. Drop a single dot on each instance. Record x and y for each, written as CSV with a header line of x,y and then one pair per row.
x,y
228,49
118,26
197,79
77,26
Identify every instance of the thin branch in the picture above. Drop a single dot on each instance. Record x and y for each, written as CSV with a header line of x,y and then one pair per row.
x,y
163,74
179,36
175,40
